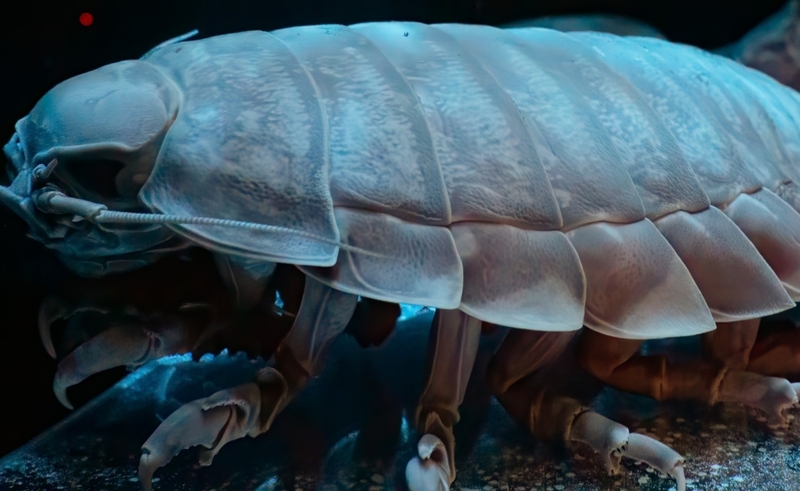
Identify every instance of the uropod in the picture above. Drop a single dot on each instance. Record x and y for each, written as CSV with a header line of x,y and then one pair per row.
x,y
527,178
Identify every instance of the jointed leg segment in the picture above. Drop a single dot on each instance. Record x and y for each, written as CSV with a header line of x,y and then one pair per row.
x,y
452,348
524,375
250,409
617,362
515,381
719,377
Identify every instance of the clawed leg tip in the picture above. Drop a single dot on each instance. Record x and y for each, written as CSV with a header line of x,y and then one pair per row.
x,y
658,455
680,479
61,394
781,419
50,311
428,445
206,458
608,438
146,471
425,475
430,470
613,464
192,426
778,398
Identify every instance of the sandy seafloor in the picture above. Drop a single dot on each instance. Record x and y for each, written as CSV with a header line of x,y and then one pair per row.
x,y
350,430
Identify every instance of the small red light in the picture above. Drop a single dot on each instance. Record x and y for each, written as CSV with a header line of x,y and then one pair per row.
x,y
86,19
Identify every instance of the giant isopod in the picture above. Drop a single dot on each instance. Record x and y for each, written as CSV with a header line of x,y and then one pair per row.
x,y
527,178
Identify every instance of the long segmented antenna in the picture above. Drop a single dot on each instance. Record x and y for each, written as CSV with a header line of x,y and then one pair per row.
x,y
50,200
178,39
109,216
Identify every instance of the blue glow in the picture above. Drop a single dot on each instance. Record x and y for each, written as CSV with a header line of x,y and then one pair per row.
x,y
348,439
405,430
163,384
174,359
145,369
210,356
408,311
268,485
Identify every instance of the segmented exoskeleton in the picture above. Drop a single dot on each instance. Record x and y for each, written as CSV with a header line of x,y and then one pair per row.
x,y
527,178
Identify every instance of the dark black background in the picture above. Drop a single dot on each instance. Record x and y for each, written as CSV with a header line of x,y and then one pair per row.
x,y
43,43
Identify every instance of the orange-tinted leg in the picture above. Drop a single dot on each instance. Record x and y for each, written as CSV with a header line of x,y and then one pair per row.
x,y
617,362
526,375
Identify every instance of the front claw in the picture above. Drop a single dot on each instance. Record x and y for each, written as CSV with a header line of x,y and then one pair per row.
x,y
614,441
434,467
210,422
606,437
53,309
50,310
430,470
118,345
657,455
772,395
130,342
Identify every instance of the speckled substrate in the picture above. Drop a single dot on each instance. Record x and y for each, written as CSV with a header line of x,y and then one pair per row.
x,y
327,438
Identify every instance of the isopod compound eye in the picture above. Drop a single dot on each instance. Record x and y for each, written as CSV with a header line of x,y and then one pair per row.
x,y
105,129
92,179
90,144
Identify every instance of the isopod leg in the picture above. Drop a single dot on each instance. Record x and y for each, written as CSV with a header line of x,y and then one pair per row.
x,y
731,343
132,342
522,379
617,363
757,382
452,348
514,376
776,354
249,409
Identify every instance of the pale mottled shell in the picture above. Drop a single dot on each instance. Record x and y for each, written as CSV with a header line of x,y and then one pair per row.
x,y
690,118
646,147
488,158
250,144
450,159
637,286
774,228
736,282
381,153
585,170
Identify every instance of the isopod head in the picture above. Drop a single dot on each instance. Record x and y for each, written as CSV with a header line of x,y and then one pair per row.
x,y
89,144
221,143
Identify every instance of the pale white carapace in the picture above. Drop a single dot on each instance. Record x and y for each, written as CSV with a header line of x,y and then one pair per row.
x,y
530,178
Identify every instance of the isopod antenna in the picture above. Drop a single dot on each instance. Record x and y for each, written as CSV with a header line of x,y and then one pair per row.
x,y
50,200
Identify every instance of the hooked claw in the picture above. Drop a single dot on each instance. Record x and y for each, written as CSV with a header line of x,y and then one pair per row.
x,y
773,395
430,470
51,310
657,455
433,469
210,422
131,343
613,441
